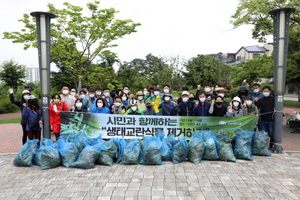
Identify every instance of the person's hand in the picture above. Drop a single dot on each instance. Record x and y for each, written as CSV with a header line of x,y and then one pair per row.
x,y
196,104
198,87
11,90
80,78
208,98
255,126
230,104
112,107
213,102
51,128
24,104
256,98
41,122
244,81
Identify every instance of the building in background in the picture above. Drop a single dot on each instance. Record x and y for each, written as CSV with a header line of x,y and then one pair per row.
x,y
32,75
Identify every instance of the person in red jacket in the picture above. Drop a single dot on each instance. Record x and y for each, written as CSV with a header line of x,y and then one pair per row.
x,y
54,108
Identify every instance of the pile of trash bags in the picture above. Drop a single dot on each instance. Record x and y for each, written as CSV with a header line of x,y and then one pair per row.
x,y
80,151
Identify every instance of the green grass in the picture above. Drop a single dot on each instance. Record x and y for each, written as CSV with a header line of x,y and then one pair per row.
x,y
11,120
293,104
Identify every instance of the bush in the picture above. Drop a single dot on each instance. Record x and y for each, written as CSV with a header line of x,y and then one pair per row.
x,y
6,106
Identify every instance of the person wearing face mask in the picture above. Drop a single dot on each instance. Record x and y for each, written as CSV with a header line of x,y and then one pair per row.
x,y
235,108
98,93
125,100
250,109
118,107
149,108
21,104
186,106
243,92
256,94
54,114
134,109
73,93
107,98
168,107
65,97
220,91
83,97
100,107
32,112
78,107
91,99
217,108
207,91
156,99
126,89
140,100
202,107
184,89
166,90
266,105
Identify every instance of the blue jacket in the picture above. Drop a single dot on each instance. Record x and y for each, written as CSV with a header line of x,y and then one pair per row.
x,y
31,115
259,95
104,110
168,108
91,102
108,102
202,110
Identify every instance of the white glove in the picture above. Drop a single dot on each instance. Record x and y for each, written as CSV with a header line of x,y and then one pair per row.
x,y
10,91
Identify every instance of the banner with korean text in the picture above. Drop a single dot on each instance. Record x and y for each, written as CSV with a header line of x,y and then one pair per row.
x,y
138,126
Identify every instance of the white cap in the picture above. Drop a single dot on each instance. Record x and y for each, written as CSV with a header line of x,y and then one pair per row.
x,y
26,91
32,97
185,93
236,99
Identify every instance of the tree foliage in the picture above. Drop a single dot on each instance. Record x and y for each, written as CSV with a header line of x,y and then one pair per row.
x,y
202,69
77,40
12,74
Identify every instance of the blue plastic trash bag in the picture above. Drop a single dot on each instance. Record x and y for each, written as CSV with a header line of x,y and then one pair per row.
x,y
196,148
121,143
260,144
86,158
107,156
132,153
226,152
67,151
227,136
151,151
79,139
211,145
50,158
166,152
242,146
180,151
25,155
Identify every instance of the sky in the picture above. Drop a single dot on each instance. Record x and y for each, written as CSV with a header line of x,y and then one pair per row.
x,y
169,28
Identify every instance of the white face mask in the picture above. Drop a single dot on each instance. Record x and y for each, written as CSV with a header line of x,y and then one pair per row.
x,y
166,91
106,94
26,97
117,104
98,93
82,96
248,103
185,99
140,97
207,89
125,91
202,99
100,105
78,105
167,98
266,94
134,108
236,104
65,91
124,98
256,90
92,95
145,92
73,93
156,93
222,95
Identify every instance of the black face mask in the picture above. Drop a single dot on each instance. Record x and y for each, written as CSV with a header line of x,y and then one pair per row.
x,y
148,107
33,102
192,98
243,93
219,103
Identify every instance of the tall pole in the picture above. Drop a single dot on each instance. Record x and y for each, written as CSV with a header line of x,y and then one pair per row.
x,y
43,37
281,18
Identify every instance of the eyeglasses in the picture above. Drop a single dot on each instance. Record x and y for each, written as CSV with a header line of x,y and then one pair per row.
x,y
56,98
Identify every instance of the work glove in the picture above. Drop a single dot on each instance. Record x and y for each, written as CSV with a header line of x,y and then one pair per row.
x,y
11,90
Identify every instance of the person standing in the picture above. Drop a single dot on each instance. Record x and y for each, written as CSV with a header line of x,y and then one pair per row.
x,y
21,104
107,98
250,109
186,106
34,115
168,107
100,107
134,110
78,107
54,112
65,97
118,107
202,107
218,108
235,108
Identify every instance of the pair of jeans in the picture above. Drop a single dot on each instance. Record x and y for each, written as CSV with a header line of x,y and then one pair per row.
x,y
268,126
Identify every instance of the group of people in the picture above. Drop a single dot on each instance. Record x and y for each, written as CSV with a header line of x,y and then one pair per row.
x,y
210,101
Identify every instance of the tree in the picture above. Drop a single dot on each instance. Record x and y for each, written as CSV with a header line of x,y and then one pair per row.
x,y
12,74
76,39
256,12
253,70
202,69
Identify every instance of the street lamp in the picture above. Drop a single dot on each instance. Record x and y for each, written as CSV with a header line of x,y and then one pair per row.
x,y
281,18
43,37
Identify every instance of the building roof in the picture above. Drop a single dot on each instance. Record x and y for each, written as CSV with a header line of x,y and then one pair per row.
x,y
254,49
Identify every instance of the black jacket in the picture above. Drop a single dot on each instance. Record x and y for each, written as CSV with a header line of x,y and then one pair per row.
x,y
186,109
266,106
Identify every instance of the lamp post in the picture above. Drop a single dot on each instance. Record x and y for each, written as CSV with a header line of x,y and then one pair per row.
x,y
43,37
281,18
